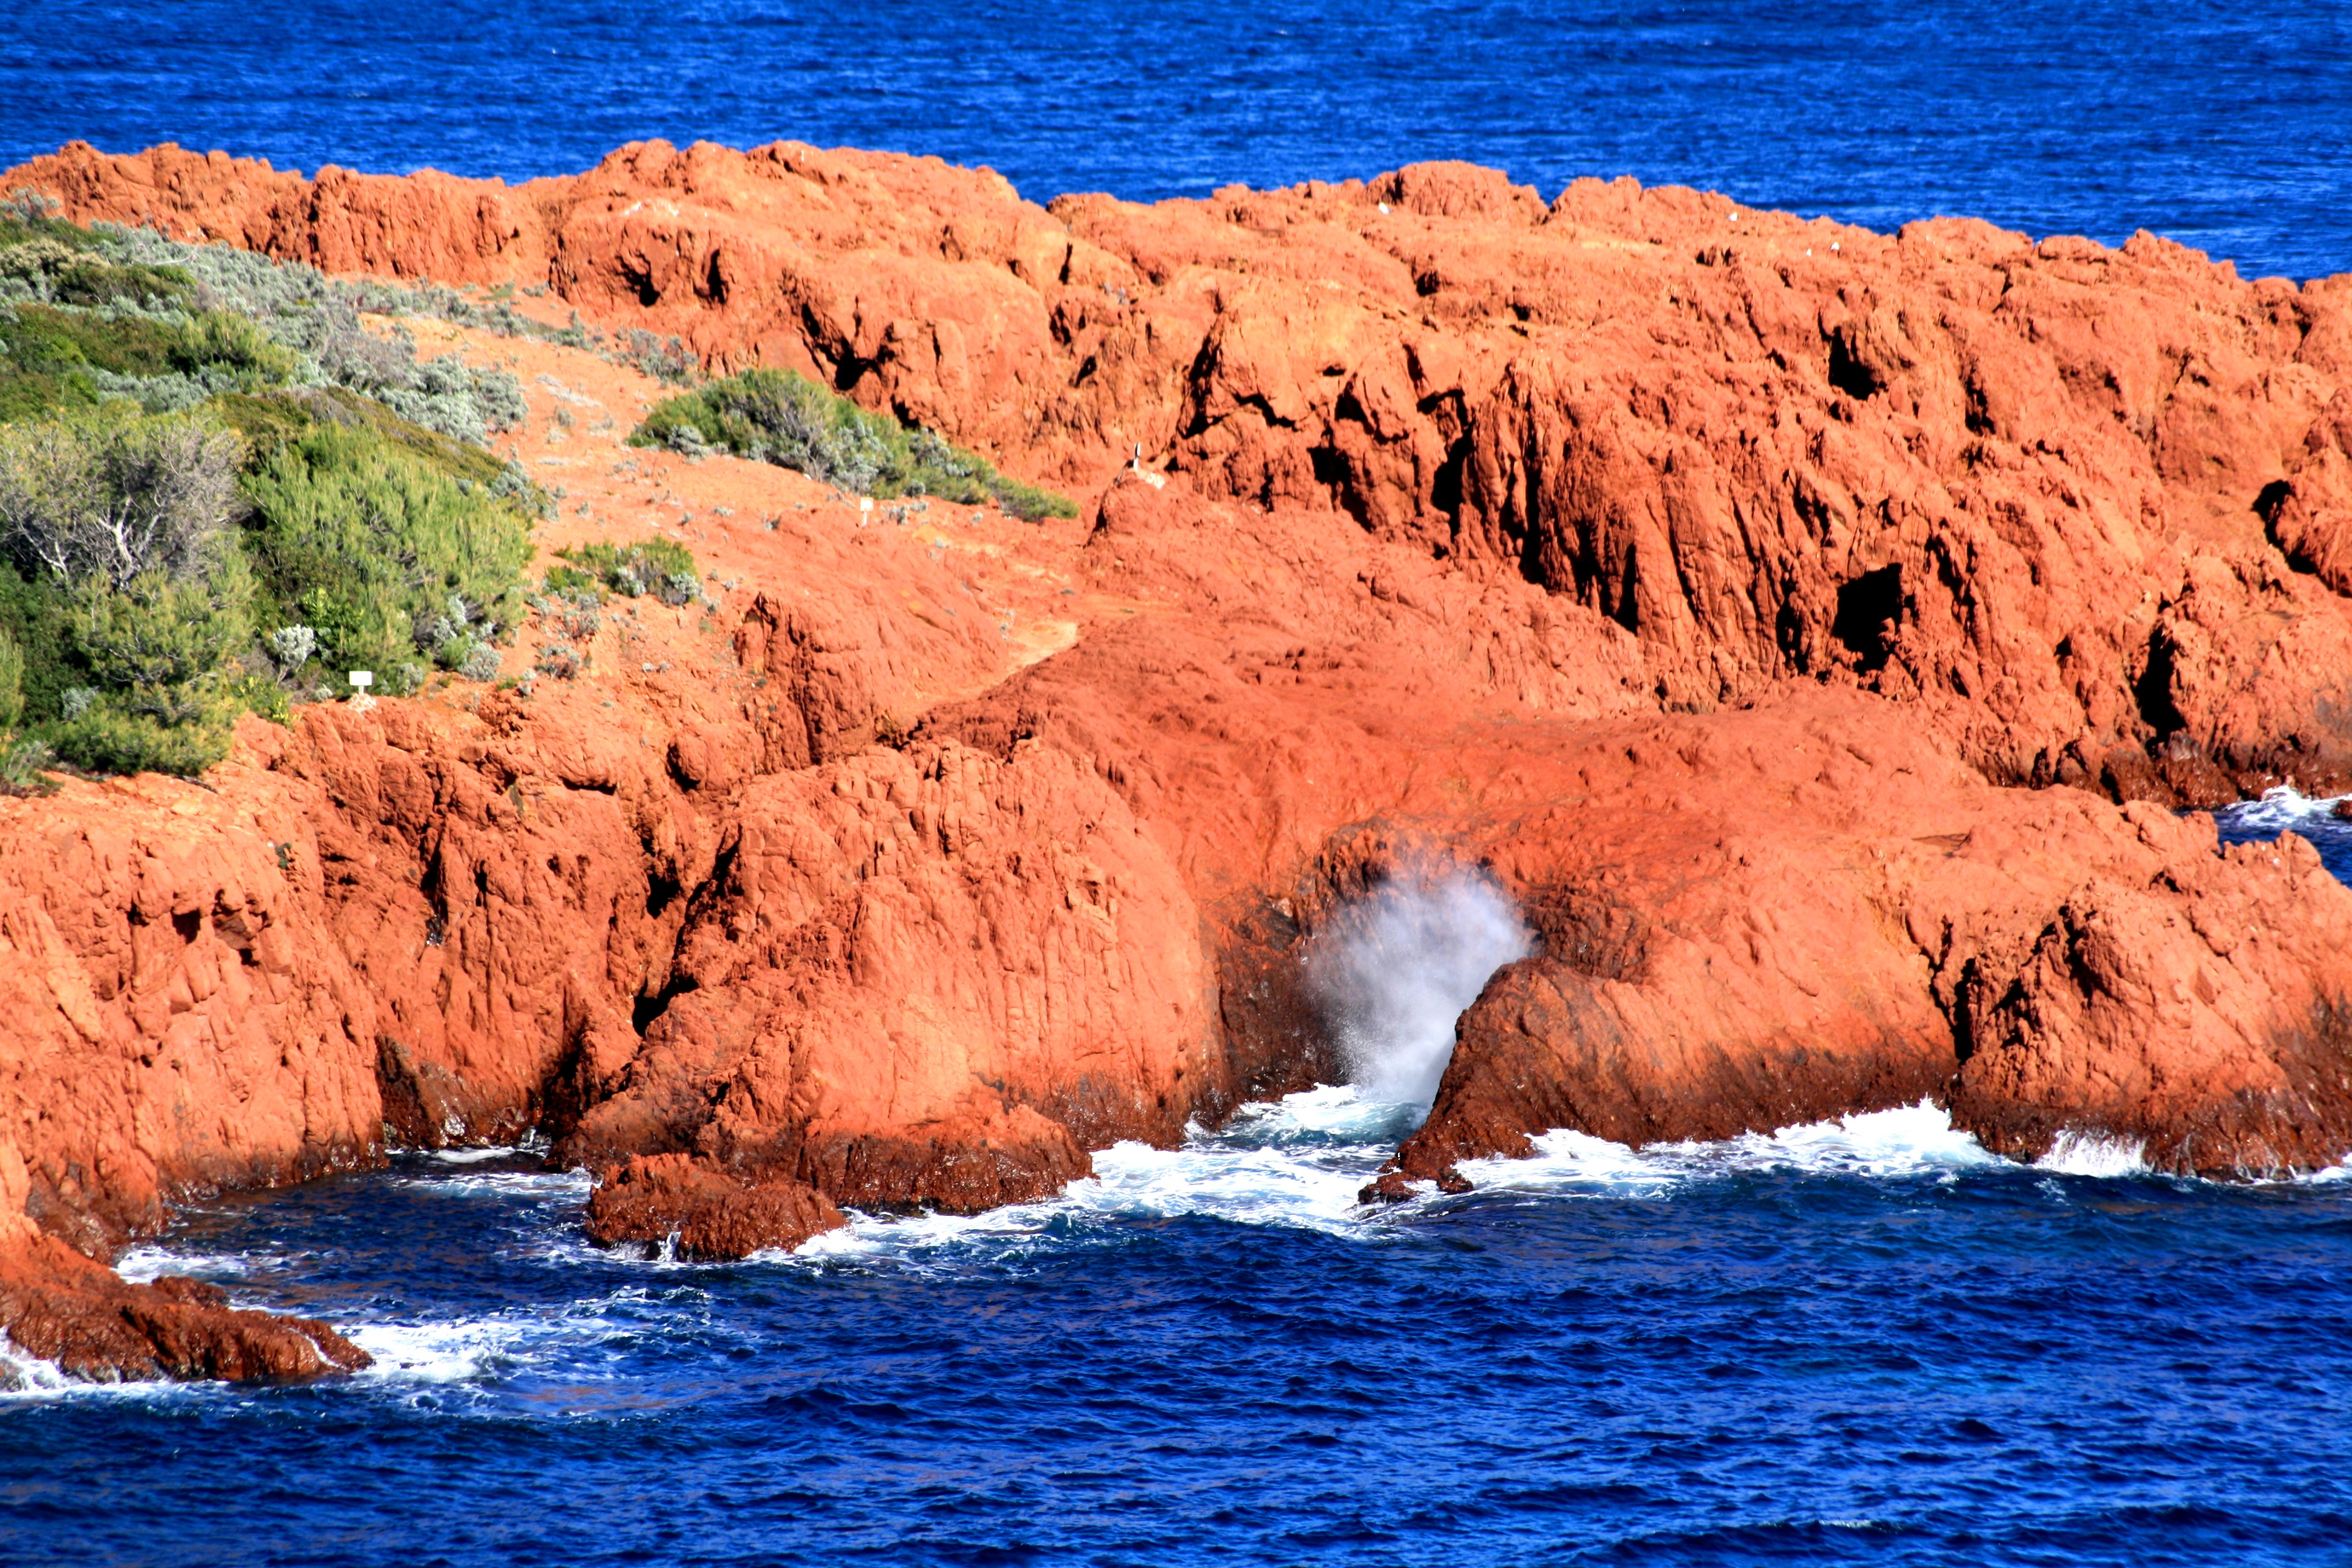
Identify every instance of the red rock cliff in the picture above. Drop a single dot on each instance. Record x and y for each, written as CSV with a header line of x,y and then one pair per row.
x,y
1779,608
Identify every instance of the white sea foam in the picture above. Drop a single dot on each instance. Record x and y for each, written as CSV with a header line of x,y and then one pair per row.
x,y
1297,1162
144,1264
1394,969
454,1351
545,1185
1908,1141
1280,1164
2281,809
2078,1152
23,1374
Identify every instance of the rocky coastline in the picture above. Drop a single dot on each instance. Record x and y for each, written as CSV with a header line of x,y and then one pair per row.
x,y
1826,638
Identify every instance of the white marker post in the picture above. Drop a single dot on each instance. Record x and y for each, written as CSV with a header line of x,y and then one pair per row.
x,y
362,680
864,510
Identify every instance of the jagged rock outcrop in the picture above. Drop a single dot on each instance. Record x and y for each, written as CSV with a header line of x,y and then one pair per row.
x,y
702,1216
1779,610
2025,486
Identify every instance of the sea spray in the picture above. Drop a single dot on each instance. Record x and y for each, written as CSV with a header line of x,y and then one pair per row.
x,y
1393,971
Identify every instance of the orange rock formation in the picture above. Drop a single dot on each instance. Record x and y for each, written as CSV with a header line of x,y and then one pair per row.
x,y
1780,610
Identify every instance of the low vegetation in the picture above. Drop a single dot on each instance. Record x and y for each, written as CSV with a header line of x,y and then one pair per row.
x,y
781,417
658,566
219,492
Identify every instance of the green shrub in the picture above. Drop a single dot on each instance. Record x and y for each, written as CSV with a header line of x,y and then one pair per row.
x,y
385,538
37,615
22,763
106,493
318,317
383,557
52,358
656,566
45,268
781,417
160,642
107,738
12,683
185,322
269,420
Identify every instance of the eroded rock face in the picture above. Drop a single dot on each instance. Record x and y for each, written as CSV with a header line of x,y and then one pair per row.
x,y
1805,910
1775,609
177,1017
2080,505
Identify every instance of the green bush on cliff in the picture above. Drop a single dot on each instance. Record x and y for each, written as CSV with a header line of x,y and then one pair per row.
x,y
110,494
780,416
102,738
159,650
89,314
53,359
384,559
218,492
129,595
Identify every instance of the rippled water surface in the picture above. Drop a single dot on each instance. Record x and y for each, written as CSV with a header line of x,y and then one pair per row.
x,y
2223,126
1859,1343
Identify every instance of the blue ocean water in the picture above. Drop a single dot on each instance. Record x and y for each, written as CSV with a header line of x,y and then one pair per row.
x,y
1859,1343
1862,1342
2223,126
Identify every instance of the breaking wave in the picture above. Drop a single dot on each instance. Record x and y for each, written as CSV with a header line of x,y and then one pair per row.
x,y
2285,810
2079,1154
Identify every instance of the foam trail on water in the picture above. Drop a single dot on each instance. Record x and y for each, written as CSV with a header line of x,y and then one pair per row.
x,y
1394,971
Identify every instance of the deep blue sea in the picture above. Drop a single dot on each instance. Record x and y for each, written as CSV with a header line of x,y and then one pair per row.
x,y
1867,1342
2224,126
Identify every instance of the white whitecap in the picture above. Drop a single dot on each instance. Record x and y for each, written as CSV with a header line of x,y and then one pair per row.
x,y
2280,807
453,1352
1907,1141
574,1185
145,1265
2089,1153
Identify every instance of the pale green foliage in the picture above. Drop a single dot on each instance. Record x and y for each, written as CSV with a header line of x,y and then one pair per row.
x,y
109,494
160,640
783,417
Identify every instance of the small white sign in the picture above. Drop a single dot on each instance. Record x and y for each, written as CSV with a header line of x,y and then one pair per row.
x,y
363,678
